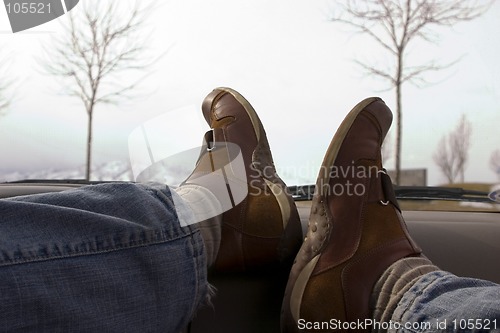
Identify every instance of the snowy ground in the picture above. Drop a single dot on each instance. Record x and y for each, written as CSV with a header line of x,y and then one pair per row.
x,y
116,170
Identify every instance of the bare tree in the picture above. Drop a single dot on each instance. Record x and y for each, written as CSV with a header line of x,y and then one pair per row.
x,y
452,153
5,87
4,99
100,43
495,162
445,160
394,25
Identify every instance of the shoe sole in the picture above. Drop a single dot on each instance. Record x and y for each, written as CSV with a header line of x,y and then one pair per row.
x,y
276,190
323,177
256,124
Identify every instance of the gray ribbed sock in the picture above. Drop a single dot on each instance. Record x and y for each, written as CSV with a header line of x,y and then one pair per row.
x,y
207,212
392,285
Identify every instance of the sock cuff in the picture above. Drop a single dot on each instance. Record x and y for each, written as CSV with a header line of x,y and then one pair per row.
x,y
202,203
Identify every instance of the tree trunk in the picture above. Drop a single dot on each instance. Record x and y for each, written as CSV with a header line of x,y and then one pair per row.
x,y
89,146
399,123
399,112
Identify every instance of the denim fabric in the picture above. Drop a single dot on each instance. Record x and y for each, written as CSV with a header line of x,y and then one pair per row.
x,y
102,258
449,304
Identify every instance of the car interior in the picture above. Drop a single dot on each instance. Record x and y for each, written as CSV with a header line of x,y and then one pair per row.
x,y
464,243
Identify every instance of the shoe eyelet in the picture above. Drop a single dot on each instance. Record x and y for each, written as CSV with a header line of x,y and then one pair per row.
x,y
209,137
210,148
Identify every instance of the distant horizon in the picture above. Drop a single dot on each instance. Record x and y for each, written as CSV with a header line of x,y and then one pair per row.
x,y
103,172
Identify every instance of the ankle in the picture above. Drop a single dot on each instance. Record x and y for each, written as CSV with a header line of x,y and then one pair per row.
x,y
395,282
206,215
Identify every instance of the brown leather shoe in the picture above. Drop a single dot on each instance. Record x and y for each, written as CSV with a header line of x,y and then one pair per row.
x,y
355,228
263,229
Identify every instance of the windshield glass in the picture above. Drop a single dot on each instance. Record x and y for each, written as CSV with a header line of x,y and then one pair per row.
x,y
302,65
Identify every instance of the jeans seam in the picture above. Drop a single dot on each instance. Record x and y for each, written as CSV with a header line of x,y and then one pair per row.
x,y
198,266
88,253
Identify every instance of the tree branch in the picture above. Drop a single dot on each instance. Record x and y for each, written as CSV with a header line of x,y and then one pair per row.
x,y
393,25
102,41
6,86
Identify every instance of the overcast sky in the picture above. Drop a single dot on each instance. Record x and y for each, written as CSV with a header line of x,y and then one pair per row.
x,y
287,59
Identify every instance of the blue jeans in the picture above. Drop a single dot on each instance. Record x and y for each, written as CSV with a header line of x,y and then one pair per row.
x,y
443,302
103,258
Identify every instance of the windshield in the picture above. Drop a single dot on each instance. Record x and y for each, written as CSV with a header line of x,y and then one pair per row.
x,y
302,64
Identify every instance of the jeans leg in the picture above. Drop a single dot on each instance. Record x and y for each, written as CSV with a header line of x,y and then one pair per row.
x,y
103,258
442,302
